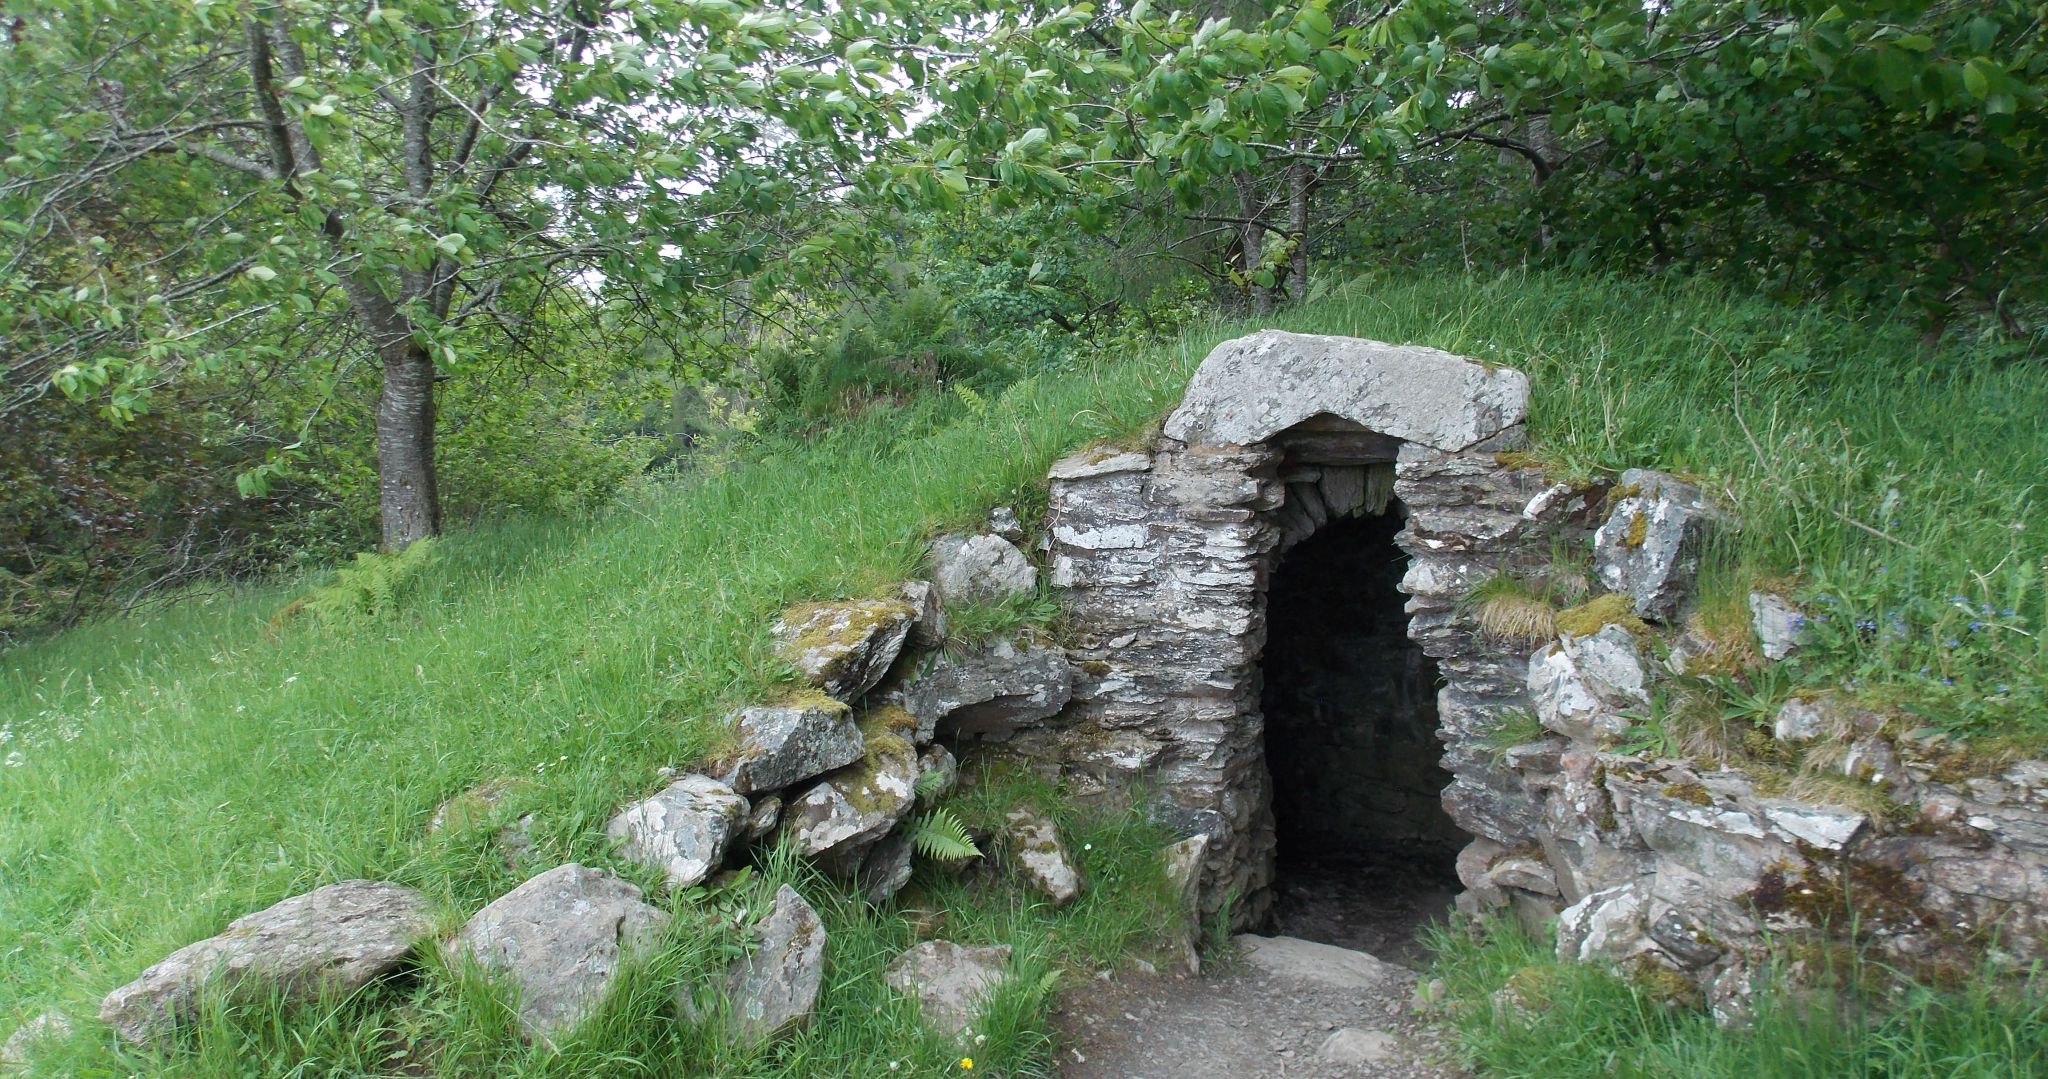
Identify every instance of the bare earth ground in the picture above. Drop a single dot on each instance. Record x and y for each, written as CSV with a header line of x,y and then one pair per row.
x,y
1277,1010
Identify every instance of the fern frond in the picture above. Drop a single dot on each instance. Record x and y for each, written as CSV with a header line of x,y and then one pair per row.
x,y
975,402
940,835
928,784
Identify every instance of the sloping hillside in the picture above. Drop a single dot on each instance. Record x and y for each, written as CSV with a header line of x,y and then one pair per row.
x,y
172,770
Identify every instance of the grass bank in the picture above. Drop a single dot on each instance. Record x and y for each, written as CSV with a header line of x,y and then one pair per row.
x,y
1558,1020
167,772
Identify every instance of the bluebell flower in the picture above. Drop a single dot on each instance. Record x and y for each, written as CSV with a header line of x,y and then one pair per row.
x,y
1866,624
1975,625
1951,642
2003,688
1948,681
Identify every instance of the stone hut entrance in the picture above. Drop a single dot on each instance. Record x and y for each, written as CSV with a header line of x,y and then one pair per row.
x,y
1363,851
1266,598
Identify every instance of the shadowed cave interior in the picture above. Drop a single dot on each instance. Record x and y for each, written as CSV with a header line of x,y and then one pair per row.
x,y
1365,852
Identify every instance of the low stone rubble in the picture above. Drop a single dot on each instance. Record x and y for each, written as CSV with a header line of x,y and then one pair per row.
x,y
683,831
335,939
951,982
774,990
561,940
1035,847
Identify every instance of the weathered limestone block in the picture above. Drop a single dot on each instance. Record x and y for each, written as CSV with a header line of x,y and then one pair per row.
x,y
835,822
683,830
990,695
1255,387
844,648
951,982
980,567
1779,626
1035,846
784,744
1581,685
560,939
333,939
1649,548
774,990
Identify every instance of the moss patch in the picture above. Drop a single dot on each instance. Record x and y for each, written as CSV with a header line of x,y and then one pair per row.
x,y
1689,791
1638,530
1590,617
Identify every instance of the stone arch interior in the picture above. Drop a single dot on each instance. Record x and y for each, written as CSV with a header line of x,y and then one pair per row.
x,y
1364,853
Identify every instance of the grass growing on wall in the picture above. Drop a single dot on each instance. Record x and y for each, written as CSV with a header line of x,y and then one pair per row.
x,y
168,772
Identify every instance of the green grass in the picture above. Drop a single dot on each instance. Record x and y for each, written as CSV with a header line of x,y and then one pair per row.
x,y
1580,1020
170,771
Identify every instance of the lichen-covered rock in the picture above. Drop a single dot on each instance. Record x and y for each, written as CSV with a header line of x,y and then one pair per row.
x,y
1649,548
1580,686
951,982
1610,925
560,939
1004,522
473,806
980,567
774,990
937,774
21,1046
682,831
988,696
784,744
844,648
1255,387
762,818
1798,720
333,939
835,822
929,631
1780,627
1035,847
886,869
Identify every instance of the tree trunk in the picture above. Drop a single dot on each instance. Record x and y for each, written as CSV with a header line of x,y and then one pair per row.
x,y
1252,239
409,500
1297,230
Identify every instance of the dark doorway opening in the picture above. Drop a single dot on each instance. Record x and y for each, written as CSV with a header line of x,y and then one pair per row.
x,y
1365,853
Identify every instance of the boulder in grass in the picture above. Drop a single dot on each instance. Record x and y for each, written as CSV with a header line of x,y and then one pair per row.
x,y
21,1046
335,939
774,990
844,648
560,939
787,743
1036,849
682,831
952,982
836,822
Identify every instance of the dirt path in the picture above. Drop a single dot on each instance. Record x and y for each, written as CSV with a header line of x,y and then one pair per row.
x,y
1286,1008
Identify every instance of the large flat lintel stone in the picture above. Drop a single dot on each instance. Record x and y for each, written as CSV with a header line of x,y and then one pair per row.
x,y
1253,388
